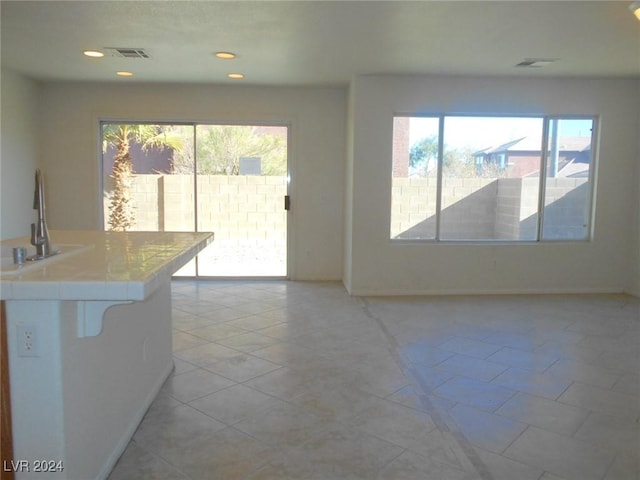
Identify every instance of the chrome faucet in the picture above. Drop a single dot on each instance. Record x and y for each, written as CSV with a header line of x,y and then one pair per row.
x,y
39,232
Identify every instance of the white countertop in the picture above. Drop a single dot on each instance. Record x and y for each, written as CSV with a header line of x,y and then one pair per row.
x,y
96,265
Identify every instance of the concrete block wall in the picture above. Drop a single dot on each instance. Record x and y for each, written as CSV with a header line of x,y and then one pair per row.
x,y
566,207
251,207
244,207
467,203
478,208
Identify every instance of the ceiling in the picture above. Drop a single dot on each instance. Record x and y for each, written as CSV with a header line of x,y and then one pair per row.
x,y
318,42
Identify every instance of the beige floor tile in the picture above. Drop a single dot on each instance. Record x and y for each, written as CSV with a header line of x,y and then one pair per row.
x,y
216,332
544,413
182,366
203,354
283,426
624,467
621,434
424,353
560,455
188,322
471,367
380,377
539,387
166,433
411,466
137,463
601,400
585,373
287,330
474,393
394,423
430,378
503,468
284,383
485,430
223,315
281,469
183,340
516,340
234,404
551,476
161,403
227,455
248,342
545,384
194,384
254,322
342,453
407,396
241,368
628,383
512,357
287,353
469,347
337,402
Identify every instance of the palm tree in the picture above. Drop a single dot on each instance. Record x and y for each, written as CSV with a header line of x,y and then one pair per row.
x,y
120,136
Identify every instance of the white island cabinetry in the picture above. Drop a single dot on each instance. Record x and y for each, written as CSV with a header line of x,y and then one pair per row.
x,y
89,343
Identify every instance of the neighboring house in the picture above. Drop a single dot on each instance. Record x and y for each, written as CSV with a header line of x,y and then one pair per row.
x,y
521,157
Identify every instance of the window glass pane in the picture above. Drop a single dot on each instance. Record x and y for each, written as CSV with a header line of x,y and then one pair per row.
x,y
567,191
490,178
143,189
414,177
242,181
147,181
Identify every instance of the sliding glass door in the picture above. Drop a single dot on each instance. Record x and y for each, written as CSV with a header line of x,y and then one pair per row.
x,y
228,179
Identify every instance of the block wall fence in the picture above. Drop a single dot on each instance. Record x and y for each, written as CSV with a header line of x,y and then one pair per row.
x,y
478,208
251,207
245,207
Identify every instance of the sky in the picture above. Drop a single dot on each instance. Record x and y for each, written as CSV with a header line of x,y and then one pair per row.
x,y
483,132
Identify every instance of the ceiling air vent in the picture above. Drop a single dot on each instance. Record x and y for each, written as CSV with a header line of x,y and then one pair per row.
x,y
535,62
128,52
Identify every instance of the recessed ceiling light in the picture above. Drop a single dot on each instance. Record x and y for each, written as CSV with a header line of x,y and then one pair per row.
x,y
236,76
124,74
226,55
635,9
93,53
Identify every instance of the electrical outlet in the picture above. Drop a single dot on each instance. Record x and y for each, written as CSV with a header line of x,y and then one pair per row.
x,y
28,341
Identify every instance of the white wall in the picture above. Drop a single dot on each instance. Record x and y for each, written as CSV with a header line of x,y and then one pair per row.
x,y
635,256
68,153
605,264
18,154
69,116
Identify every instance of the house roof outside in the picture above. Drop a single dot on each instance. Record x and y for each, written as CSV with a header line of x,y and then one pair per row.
x,y
533,144
522,155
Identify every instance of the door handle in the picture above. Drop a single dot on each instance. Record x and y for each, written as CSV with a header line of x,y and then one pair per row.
x,y
287,202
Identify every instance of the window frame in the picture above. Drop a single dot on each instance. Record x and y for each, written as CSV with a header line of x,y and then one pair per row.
x,y
589,213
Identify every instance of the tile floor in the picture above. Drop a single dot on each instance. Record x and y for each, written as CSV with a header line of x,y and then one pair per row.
x,y
286,380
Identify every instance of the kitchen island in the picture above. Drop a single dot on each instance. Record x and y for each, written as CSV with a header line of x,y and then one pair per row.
x,y
89,343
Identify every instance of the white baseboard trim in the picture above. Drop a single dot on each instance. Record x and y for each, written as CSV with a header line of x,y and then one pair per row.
x,y
364,292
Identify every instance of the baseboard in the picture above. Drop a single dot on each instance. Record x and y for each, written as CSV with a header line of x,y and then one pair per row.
x,y
365,292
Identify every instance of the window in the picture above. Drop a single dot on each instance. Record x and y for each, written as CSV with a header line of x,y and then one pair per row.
x,y
491,178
